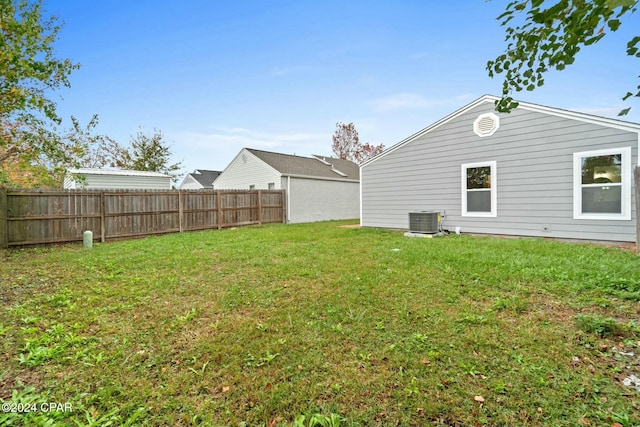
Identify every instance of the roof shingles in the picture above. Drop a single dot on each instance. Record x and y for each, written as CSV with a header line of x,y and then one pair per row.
x,y
205,177
315,166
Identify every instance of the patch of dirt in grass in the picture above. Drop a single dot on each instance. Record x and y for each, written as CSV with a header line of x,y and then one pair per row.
x,y
8,296
631,247
27,377
625,246
546,308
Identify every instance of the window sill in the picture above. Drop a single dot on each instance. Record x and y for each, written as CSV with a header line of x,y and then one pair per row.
x,y
480,214
603,217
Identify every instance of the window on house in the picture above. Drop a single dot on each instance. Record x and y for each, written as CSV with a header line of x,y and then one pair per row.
x,y
271,186
602,184
479,194
252,187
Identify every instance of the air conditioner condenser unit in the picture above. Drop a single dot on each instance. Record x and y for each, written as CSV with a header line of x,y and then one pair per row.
x,y
426,222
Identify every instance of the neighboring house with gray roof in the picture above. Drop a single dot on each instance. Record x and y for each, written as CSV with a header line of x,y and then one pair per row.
x,y
318,188
199,179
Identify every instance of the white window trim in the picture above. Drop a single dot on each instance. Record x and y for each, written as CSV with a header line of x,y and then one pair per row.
x,y
625,214
494,189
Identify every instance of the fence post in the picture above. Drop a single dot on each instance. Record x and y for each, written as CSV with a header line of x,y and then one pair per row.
x,y
284,206
180,210
103,225
637,184
4,231
219,210
260,207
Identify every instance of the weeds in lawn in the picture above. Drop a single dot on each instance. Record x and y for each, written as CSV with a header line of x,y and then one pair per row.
x,y
469,369
54,343
597,324
93,418
412,389
318,420
516,304
200,372
189,316
252,361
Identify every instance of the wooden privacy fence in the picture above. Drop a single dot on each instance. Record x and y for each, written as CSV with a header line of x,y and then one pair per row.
x,y
31,217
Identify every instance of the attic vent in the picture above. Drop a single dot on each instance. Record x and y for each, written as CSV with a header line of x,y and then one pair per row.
x,y
486,124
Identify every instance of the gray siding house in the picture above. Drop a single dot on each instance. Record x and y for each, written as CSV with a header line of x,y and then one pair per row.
x,y
537,171
318,188
105,179
199,179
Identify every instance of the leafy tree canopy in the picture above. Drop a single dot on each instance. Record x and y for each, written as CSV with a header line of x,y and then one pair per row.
x,y
29,70
150,153
544,35
28,66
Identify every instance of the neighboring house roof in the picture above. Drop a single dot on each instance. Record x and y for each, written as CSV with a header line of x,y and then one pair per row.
x,y
90,171
316,166
614,123
204,177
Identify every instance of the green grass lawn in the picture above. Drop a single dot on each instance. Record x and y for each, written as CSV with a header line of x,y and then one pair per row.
x,y
316,324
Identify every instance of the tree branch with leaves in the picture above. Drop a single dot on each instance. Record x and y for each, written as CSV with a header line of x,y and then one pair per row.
x,y
152,153
545,35
29,70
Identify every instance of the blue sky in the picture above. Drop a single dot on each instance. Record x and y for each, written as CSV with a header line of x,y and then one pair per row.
x,y
217,76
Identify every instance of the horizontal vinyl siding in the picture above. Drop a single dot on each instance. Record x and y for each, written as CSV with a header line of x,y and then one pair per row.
x,y
534,155
312,200
124,182
241,174
190,184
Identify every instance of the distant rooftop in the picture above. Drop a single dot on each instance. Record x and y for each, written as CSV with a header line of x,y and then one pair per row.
x,y
316,166
205,177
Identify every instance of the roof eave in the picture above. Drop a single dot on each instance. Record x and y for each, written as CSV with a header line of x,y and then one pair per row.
x,y
432,126
320,178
